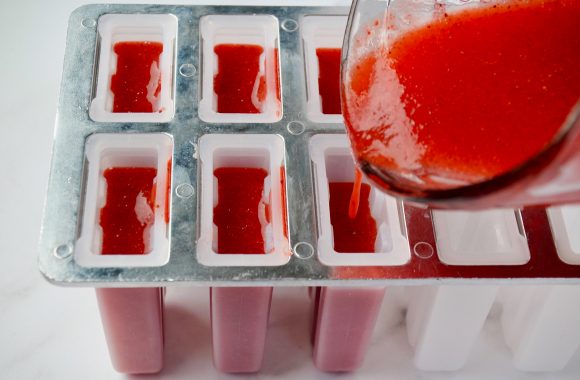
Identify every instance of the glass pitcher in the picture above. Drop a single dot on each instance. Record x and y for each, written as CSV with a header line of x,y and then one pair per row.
x,y
427,87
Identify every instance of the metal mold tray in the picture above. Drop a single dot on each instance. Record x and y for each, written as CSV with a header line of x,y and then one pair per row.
x,y
73,126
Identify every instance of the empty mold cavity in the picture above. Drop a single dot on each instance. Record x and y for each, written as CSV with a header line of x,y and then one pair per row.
x,y
258,153
110,234
240,74
135,72
490,237
333,163
322,36
565,224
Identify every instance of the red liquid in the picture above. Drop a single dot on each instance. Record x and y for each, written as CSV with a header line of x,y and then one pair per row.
x,y
469,96
355,195
238,84
128,211
136,84
329,79
240,205
351,235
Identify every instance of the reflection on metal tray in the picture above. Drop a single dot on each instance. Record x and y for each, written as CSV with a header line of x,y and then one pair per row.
x,y
407,233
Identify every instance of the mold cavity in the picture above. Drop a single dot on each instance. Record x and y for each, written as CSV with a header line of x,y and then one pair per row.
x,y
565,223
241,216
240,69
373,236
322,38
489,237
135,68
242,200
358,234
136,84
329,80
239,82
127,216
126,201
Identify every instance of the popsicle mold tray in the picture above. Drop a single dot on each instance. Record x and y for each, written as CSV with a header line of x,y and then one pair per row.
x,y
184,135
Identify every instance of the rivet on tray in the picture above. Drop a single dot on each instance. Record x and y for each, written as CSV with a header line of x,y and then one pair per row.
x,y
423,250
89,23
303,250
184,190
289,25
295,127
187,70
63,251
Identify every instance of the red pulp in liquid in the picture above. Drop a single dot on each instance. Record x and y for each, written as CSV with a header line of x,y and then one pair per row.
x,y
129,210
239,208
351,235
238,84
136,85
329,79
469,96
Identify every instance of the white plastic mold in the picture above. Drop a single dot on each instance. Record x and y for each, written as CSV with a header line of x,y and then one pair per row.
x,y
444,322
248,151
490,237
333,162
540,325
319,32
113,28
103,151
565,225
261,30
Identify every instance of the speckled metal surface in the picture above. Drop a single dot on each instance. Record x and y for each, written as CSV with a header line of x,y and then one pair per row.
x,y
73,126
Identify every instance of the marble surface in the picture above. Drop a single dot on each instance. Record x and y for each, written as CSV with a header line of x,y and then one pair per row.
x,y
48,332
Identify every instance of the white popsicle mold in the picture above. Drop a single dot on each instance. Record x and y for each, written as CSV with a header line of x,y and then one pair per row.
x,y
103,151
319,32
443,323
248,151
333,162
565,225
490,237
259,30
540,325
113,28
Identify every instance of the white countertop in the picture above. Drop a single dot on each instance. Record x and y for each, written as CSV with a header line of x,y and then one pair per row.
x,y
48,332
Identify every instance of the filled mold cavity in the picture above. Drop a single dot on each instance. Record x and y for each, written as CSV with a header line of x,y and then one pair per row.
x,y
135,72
240,74
375,235
490,237
565,224
242,203
126,201
322,38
